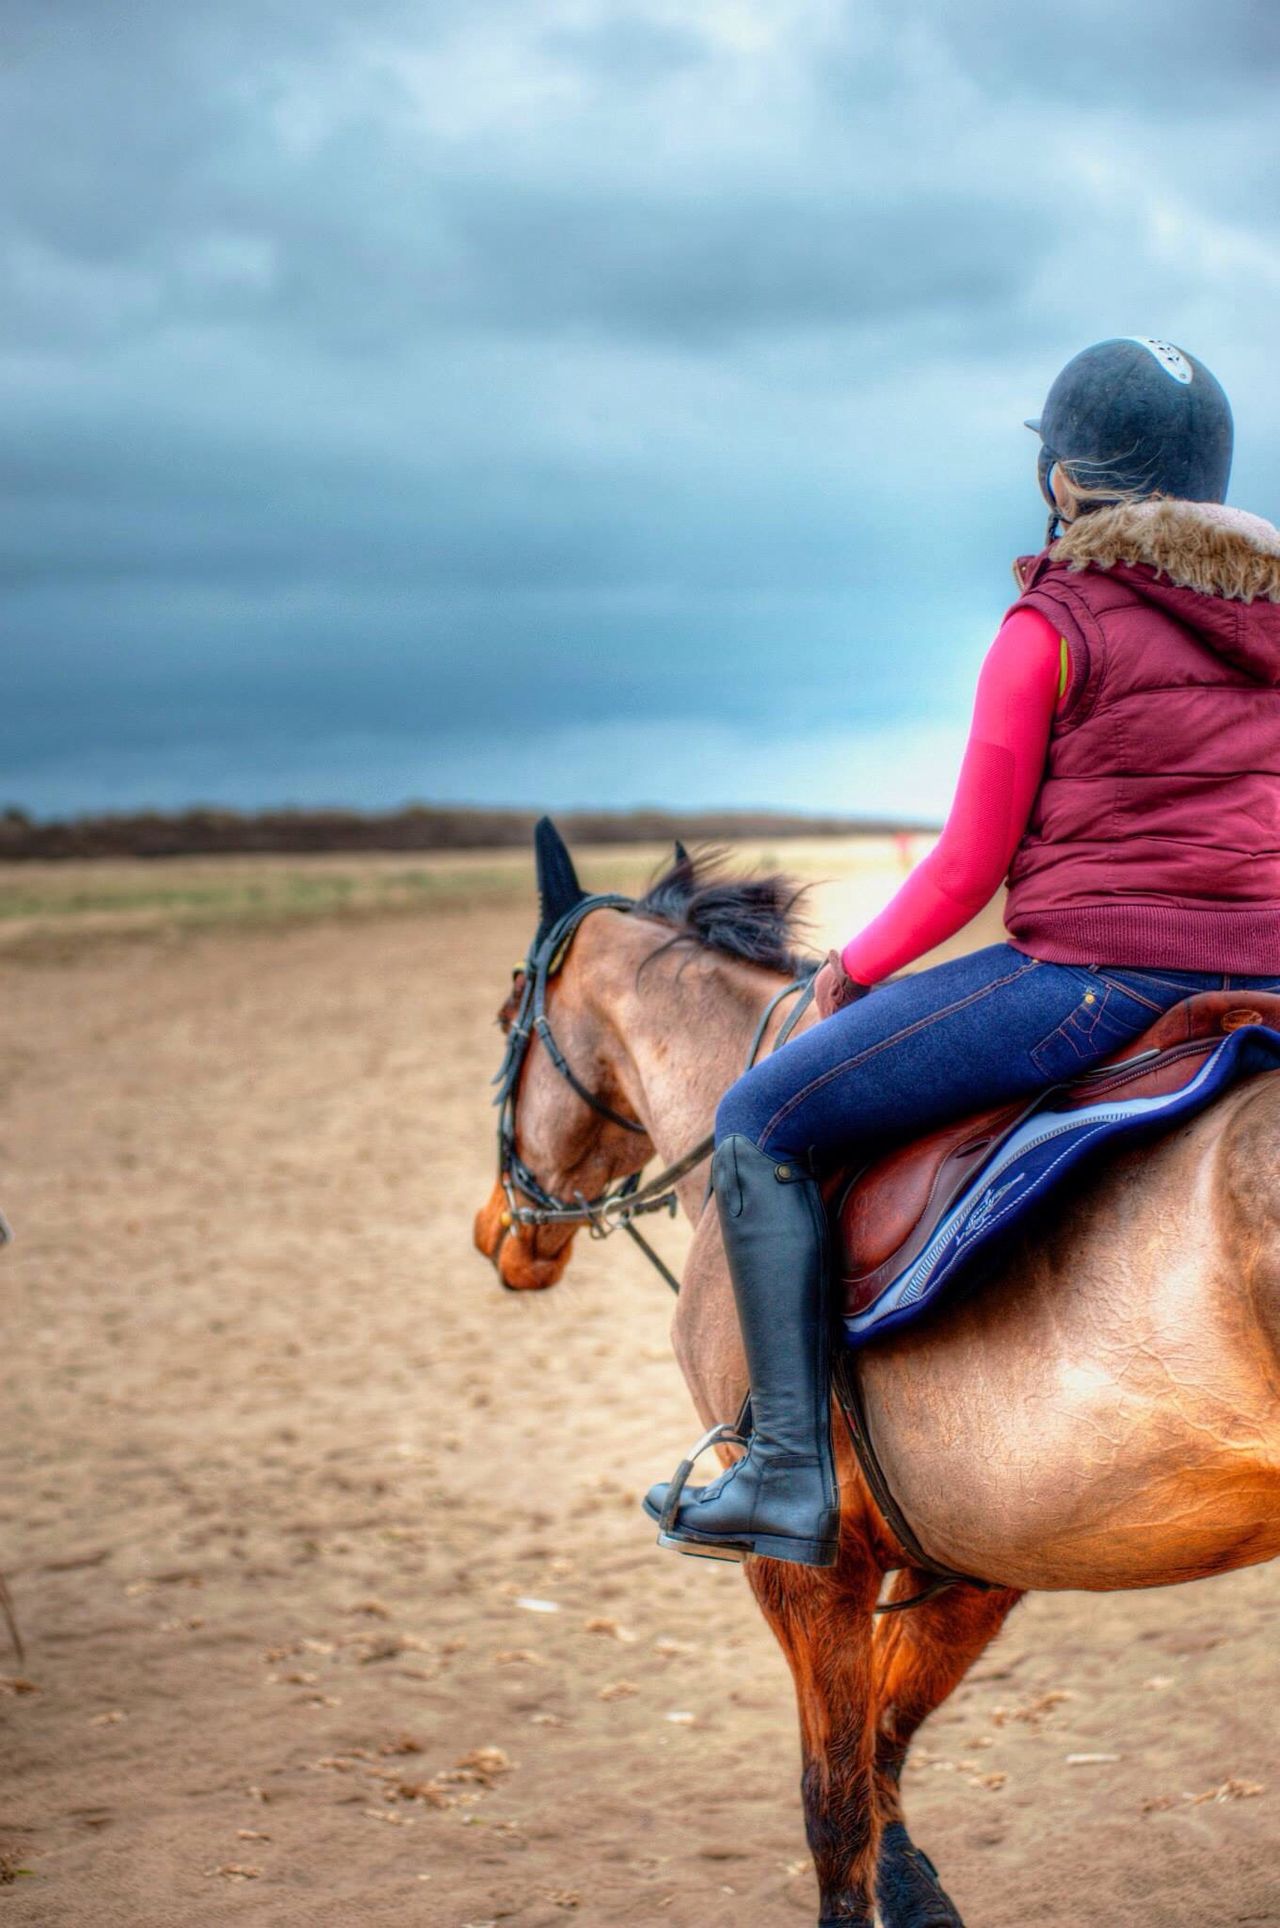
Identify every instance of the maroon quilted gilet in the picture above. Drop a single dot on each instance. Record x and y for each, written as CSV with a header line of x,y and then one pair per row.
x,y
1155,838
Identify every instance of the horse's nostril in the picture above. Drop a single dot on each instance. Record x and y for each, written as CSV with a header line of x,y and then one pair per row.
x,y
512,1249
523,1269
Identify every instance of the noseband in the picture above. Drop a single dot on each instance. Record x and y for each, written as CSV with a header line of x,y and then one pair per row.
x,y
620,1204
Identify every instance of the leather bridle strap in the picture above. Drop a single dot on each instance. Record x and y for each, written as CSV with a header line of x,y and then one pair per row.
x,y
802,984
620,1206
612,1207
542,1026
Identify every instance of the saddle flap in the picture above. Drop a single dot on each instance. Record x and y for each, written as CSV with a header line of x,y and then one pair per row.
x,y
885,1214
881,1208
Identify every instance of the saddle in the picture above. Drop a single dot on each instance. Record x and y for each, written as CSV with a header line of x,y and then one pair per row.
x,y
885,1215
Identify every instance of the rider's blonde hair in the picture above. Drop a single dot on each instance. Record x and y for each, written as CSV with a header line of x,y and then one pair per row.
x,y
1075,498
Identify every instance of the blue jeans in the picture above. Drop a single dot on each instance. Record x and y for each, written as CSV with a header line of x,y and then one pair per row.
x,y
922,1050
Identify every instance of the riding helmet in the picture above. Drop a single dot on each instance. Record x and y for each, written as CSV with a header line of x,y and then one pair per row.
x,y
1137,416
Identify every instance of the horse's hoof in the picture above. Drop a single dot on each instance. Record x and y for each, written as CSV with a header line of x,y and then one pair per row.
x,y
935,1910
908,1891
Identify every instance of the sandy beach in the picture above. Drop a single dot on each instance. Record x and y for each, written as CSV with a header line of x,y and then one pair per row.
x,y
337,1603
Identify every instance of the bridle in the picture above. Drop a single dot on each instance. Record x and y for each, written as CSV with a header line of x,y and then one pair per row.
x,y
618,1206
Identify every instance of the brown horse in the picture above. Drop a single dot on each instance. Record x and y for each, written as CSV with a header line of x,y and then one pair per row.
x,y
1103,1413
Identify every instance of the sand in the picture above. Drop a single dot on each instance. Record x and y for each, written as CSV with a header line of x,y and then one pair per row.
x,y
337,1602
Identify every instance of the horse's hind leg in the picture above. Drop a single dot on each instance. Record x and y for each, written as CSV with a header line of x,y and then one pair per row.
x,y
822,1619
920,1656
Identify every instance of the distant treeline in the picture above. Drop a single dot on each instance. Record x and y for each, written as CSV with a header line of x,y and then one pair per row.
x,y
208,832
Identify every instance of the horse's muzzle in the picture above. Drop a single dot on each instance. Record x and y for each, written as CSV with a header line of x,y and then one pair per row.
x,y
512,1249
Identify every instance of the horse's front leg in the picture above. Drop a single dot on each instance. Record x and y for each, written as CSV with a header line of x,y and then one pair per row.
x,y
822,1619
921,1655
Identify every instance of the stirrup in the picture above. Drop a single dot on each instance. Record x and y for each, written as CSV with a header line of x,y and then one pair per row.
x,y
728,1433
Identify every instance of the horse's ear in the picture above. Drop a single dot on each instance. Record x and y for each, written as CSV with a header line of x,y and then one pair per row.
x,y
558,886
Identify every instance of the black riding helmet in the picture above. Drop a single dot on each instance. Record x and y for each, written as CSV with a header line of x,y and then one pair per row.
x,y
1136,416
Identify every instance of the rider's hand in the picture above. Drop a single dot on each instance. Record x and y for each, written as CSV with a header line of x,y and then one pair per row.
x,y
833,988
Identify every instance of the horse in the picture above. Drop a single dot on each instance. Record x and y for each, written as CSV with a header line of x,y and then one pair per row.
x,y
1102,1412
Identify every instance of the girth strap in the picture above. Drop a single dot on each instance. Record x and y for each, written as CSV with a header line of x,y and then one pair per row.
x,y
844,1380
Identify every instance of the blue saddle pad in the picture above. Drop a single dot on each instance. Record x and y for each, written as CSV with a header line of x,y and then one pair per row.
x,y
1033,1160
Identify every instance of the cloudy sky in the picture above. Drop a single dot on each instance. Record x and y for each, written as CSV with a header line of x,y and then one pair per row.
x,y
573,401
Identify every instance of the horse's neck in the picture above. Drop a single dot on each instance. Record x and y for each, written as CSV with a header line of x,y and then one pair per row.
x,y
683,1029
685,1024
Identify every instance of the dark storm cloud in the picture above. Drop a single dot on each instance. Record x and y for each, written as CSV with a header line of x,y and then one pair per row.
x,y
732,264
449,379
168,203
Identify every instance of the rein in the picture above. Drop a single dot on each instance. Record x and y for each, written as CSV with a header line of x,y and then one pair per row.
x,y
616,1207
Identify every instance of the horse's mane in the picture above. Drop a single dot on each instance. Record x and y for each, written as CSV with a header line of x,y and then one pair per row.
x,y
751,918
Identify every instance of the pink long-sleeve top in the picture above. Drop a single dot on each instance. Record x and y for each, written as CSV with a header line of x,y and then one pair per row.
x,y
1020,683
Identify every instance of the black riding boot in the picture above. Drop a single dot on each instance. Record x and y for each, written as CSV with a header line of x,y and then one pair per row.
x,y
781,1497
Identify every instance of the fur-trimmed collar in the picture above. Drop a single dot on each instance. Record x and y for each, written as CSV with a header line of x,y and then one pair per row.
x,y
1196,545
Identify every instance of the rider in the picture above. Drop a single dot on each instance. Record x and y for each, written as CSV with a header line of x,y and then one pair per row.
x,y
1123,771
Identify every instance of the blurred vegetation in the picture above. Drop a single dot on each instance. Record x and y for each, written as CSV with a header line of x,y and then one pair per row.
x,y
417,827
262,895
61,908
75,902
52,909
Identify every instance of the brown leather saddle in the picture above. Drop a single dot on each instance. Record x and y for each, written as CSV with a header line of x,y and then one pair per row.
x,y
884,1215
